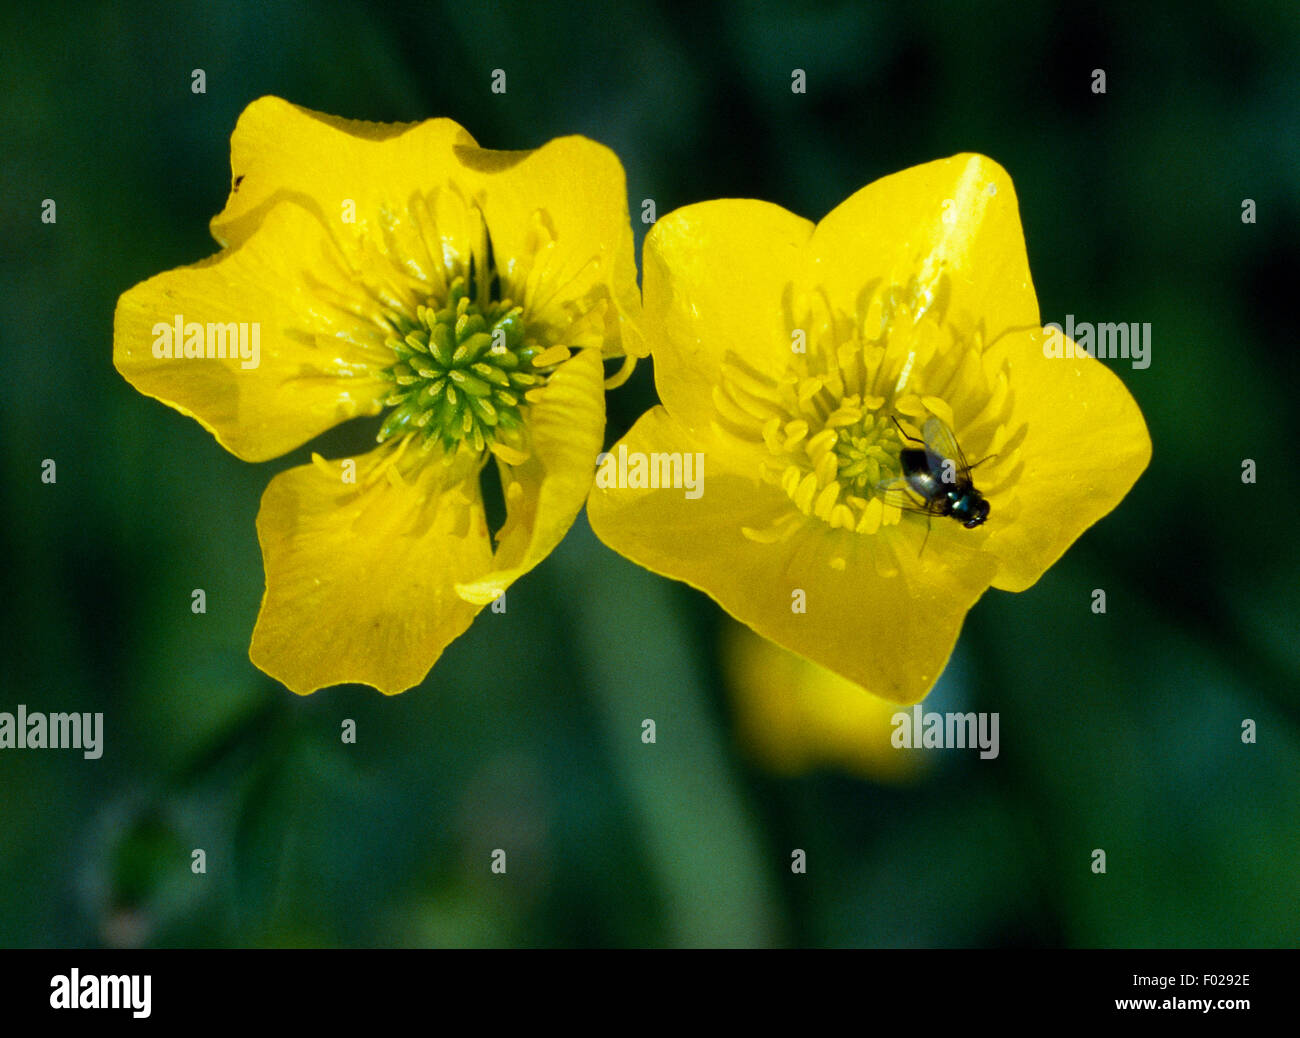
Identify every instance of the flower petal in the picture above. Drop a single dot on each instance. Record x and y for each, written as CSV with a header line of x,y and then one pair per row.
x,y
320,339
715,277
544,494
950,227
891,635
281,151
360,577
1085,445
795,715
571,193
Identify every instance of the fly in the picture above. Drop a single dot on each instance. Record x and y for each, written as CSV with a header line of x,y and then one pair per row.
x,y
936,474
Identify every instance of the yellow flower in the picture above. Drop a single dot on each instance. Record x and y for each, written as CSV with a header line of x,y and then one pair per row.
x,y
793,715
472,294
794,361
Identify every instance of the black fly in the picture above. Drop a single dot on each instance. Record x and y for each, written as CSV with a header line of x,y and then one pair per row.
x,y
936,474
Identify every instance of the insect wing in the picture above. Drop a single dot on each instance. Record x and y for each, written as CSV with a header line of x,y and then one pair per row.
x,y
941,447
899,493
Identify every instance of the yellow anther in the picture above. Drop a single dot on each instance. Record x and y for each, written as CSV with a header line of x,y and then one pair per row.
x,y
820,444
826,501
939,408
772,435
842,518
843,416
827,468
807,490
510,455
870,521
324,466
809,388
790,479
553,355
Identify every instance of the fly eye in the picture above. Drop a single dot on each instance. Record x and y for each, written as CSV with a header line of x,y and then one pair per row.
x,y
978,514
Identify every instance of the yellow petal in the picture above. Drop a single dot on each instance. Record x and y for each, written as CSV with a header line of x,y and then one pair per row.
x,y
546,492
1085,445
715,277
952,225
360,576
570,193
794,715
891,635
319,340
281,151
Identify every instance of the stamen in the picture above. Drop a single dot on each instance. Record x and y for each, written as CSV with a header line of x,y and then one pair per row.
x,y
835,422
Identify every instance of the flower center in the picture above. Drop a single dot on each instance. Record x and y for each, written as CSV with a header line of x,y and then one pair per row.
x,y
866,454
464,371
829,423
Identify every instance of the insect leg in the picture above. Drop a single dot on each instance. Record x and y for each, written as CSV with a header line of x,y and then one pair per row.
x,y
913,439
929,521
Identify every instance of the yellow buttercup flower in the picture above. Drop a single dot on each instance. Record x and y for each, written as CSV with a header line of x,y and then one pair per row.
x,y
794,716
796,365
471,294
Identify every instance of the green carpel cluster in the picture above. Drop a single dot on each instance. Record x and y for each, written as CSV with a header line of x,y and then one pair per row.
x,y
462,373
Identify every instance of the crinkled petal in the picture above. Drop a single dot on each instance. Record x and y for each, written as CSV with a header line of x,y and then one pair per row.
x,y
558,214
280,151
1085,445
319,334
360,577
543,495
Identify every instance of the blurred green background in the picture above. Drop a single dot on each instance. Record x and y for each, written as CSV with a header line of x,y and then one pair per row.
x,y
1120,732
